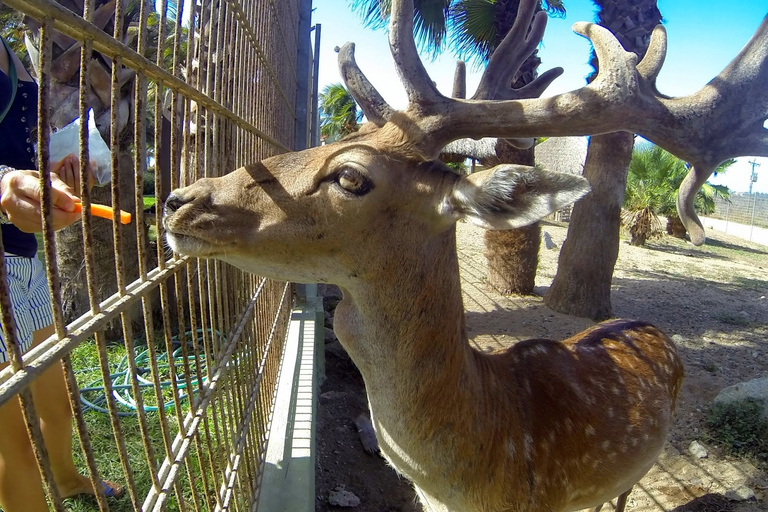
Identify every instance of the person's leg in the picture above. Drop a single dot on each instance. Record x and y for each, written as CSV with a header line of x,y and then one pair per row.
x,y
52,403
21,487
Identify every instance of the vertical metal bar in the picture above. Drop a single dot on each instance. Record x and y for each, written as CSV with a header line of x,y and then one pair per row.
x,y
314,93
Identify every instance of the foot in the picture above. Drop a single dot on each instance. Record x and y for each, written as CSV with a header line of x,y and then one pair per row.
x,y
83,486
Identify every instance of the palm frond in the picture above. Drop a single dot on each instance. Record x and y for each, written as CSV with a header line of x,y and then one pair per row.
x,y
473,31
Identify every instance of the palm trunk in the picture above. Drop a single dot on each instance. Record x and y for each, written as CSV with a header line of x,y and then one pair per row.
x,y
582,286
512,255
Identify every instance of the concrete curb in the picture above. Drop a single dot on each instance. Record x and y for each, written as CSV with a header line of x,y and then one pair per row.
x,y
288,484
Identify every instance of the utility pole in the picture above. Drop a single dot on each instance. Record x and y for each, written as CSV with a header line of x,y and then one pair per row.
x,y
753,178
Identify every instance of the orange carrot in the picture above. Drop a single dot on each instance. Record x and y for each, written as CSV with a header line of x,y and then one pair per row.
x,y
105,212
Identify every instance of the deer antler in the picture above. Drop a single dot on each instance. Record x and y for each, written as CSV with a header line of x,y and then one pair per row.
x,y
705,128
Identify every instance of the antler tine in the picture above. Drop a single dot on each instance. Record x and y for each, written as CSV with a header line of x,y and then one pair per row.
x,y
418,85
460,81
686,196
371,102
515,48
650,66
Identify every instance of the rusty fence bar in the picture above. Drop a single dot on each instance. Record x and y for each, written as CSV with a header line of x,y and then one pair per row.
x,y
170,363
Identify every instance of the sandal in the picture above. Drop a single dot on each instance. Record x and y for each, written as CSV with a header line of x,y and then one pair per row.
x,y
112,490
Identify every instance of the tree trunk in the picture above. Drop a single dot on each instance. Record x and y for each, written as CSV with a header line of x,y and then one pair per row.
x,y
675,226
512,255
71,258
582,286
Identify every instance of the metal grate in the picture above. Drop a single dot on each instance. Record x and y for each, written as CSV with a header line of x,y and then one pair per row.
x,y
181,95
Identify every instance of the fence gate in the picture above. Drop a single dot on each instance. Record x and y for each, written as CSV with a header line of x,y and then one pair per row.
x,y
171,363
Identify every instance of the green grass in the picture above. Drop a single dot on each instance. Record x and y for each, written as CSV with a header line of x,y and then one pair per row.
x,y
85,363
149,201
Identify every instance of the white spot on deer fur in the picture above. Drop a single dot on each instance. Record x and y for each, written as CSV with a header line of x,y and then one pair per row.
x,y
615,390
623,448
511,448
611,412
590,430
606,445
569,425
612,456
635,441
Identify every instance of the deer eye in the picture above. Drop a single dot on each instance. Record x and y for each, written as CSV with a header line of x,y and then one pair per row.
x,y
353,181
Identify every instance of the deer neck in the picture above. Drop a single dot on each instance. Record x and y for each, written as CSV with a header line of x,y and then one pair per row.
x,y
405,313
405,330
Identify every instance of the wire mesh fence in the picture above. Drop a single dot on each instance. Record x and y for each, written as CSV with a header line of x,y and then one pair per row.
x,y
170,364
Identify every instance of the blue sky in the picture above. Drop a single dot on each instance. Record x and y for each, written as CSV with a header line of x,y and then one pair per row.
x,y
703,37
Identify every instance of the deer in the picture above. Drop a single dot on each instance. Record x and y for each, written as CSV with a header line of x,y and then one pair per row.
x,y
544,425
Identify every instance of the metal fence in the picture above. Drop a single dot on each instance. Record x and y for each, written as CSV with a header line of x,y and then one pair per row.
x,y
747,209
180,91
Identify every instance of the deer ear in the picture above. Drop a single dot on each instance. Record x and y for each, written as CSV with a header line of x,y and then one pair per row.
x,y
511,196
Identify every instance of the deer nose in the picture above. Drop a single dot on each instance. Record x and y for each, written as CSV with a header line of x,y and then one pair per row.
x,y
173,203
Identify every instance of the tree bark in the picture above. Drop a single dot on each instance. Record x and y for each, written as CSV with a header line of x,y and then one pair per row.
x,y
71,258
582,286
512,255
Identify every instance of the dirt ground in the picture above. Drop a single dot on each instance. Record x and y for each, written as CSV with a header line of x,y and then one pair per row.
x,y
713,301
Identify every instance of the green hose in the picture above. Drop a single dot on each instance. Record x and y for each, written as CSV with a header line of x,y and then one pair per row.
x,y
121,384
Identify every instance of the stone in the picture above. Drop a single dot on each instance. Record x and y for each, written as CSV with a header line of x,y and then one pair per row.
x,y
742,493
334,395
756,389
329,335
340,497
697,450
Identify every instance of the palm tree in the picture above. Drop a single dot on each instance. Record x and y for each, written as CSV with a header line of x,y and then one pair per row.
x,y
476,28
654,177
339,115
582,285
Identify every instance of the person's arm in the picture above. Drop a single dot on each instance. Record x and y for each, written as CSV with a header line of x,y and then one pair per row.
x,y
21,197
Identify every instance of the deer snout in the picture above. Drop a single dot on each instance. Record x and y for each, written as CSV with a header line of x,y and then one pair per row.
x,y
172,203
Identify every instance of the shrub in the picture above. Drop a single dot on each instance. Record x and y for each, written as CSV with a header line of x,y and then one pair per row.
x,y
740,428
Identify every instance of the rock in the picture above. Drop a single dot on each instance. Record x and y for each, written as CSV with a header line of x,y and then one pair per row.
x,y
334,348
329,335
742,493
334,395
329,291
756,389
697,450
677,338
341,497
367,434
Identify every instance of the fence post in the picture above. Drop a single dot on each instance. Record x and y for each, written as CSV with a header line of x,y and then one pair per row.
x,y
303,61
314,133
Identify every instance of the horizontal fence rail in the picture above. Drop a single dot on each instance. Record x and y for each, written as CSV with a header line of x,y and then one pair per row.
x,y
170,364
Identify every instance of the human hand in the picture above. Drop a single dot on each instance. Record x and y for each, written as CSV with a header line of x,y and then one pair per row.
x,y
21,197
68,169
